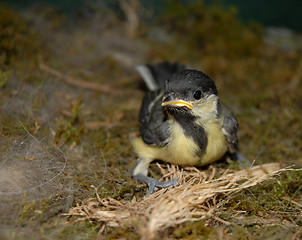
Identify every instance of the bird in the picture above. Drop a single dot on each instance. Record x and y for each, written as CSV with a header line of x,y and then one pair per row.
x,y
182,121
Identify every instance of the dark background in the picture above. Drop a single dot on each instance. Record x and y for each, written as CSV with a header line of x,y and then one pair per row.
x,y
272,13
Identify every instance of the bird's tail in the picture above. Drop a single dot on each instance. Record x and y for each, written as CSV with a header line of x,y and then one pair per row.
x,y
156,75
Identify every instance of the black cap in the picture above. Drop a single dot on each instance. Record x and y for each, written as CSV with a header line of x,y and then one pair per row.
x,y
186,83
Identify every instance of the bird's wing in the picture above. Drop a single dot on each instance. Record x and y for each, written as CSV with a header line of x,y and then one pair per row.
x,y
229,127
154,127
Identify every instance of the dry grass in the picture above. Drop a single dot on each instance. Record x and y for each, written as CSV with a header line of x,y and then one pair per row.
x,y
199,195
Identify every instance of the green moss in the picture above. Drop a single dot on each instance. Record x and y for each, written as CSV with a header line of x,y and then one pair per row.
x,y
272,196
121,233
240,232
26,213
122,191
79,230
4,76
17,41
12,127
207,30
192,230
83,182
69,131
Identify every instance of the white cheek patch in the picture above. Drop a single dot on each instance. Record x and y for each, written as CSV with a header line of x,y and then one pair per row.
x,y
206,110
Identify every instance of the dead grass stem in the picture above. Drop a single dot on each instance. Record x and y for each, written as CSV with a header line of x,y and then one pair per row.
x,y
195,198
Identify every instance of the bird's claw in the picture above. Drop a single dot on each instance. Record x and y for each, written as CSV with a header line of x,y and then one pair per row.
x,y
154,184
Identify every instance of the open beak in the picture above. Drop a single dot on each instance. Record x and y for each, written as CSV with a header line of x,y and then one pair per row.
x,y
169,101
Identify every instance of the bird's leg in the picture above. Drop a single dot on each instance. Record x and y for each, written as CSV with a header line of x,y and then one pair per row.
x,y
140,171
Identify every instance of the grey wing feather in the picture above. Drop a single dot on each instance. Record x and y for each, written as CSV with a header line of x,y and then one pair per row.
x,y
229,127
154,127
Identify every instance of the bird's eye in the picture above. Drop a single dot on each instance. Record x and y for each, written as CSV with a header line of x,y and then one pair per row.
x,y
197,95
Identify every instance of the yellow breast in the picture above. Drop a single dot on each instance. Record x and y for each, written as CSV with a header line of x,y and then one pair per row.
x,y
181,150
217,145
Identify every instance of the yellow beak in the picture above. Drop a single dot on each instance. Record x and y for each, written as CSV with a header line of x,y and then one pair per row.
x,y
177,103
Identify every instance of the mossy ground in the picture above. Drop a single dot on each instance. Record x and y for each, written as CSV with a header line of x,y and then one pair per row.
x,y
261,81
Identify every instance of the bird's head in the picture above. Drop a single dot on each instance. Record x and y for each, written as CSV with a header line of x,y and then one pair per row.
x,y
191,92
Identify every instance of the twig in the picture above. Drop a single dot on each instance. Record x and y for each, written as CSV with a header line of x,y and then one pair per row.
x,y
130,9
81,83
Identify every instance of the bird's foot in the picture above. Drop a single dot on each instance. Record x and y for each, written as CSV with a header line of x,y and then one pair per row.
x,y
154,184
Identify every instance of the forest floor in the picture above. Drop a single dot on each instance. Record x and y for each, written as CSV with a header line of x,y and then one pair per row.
x,y
69,103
